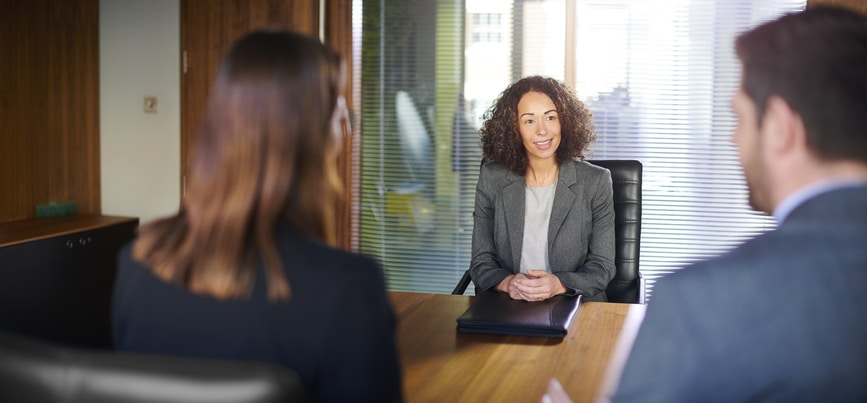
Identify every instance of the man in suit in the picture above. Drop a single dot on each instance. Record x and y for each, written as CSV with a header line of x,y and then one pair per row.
x,y
783,316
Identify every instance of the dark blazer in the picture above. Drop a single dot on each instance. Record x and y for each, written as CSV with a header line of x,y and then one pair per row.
x,y
337,331
580,232
781,318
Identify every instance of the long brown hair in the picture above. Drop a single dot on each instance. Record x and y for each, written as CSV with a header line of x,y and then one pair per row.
x,y
265,153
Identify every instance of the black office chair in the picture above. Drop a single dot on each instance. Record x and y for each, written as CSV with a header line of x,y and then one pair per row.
x,y
37,371
628,283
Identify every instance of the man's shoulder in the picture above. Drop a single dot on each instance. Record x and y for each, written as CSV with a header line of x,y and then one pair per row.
x,y
789,260
846,205
736,272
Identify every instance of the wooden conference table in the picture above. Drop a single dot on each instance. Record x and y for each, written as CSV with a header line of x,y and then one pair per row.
x,y
443,365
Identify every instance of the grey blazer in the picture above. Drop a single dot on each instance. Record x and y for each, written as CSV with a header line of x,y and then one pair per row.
x,y
781,318
580,232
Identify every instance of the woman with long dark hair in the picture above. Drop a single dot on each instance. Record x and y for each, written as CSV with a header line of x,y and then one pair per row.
x,y
248,269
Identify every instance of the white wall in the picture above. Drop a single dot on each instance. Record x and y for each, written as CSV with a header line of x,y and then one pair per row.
x,y
139,152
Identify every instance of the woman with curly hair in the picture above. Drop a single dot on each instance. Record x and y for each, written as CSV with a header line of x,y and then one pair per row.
x,y
544,218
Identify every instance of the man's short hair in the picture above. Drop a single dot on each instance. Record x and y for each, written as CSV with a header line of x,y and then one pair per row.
x,y
816,60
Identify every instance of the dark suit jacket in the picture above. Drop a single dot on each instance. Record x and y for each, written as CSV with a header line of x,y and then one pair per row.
x,y
337,331
782,318
580,232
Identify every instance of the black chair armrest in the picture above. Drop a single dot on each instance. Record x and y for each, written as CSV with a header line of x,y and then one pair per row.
x,y
462,284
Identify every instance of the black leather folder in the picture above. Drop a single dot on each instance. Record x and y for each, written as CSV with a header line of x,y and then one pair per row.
x,y
497,313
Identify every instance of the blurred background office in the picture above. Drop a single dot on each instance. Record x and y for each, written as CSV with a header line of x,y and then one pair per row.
x,y
657,75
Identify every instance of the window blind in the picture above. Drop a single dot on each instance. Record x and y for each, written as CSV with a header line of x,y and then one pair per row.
x,y
658,76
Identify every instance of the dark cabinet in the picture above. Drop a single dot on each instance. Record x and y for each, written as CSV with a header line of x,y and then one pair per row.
x,y
57,274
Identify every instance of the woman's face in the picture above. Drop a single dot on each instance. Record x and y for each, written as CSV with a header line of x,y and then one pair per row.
x,y
539,125
340,125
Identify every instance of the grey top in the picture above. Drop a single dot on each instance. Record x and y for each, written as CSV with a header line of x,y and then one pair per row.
x,y
534,252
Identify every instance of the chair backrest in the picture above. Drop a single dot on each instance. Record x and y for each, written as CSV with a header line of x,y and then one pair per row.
x,y
36,371
626,176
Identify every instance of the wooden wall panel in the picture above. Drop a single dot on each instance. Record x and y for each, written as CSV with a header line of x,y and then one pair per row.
x,y
857,5
14,173
49,106
338,35
208,29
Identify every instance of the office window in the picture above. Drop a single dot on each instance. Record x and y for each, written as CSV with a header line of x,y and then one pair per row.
x,y
657,75
486,27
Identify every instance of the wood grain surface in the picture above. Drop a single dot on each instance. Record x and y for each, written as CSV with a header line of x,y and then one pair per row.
x,y
443,365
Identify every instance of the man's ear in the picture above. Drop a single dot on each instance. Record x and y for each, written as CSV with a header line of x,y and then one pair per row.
x,y
784,128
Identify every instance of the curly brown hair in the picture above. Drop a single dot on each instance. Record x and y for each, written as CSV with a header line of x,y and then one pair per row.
x,y
501,140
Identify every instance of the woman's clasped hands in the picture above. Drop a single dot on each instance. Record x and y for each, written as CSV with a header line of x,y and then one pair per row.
x,y
534,285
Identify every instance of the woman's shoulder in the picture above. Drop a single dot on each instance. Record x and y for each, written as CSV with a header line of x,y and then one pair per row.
x,y
300,247
126,262
587,167
496,174
134,274
494,168
585,172
351,277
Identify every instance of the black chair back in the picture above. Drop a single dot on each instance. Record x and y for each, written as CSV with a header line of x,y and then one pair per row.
x,y
626,177
628,284
36,371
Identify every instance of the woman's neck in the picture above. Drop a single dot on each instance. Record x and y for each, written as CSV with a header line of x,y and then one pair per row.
x,y
542,173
